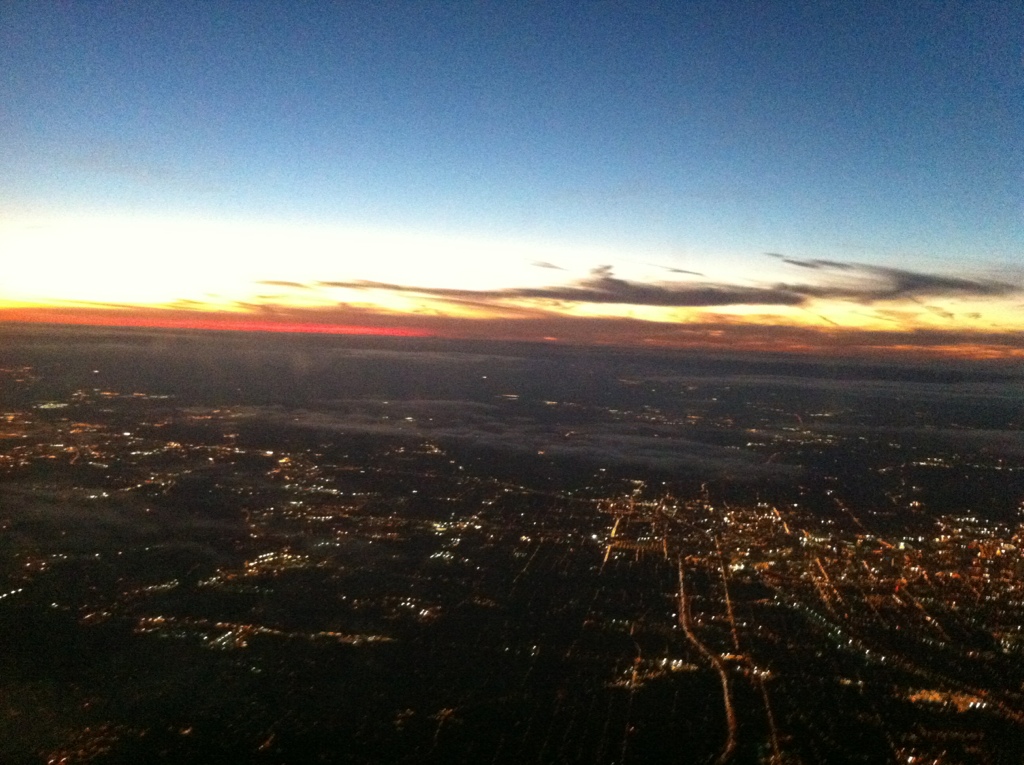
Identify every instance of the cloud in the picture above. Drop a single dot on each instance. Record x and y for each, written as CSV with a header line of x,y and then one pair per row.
x,y
545,264
901,297
853,282
681,271
992,442
857,384
483,425
604,288
894,284
877,283
940,312
277,283
818,263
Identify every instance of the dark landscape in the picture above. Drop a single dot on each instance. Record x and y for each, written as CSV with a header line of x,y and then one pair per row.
x,y
241,548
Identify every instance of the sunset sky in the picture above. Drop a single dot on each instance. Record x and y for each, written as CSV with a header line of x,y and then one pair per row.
x,y
812,177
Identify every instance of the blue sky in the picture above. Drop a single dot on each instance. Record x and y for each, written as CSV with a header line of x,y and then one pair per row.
x,y
887,128
694,134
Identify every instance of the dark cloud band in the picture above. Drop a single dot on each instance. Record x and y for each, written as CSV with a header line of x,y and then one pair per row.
x,y
604,288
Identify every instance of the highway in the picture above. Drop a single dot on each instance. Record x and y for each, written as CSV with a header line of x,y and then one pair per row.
x,y
730,714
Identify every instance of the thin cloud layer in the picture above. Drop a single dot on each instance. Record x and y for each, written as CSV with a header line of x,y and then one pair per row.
x,y
860,283
877,283
468,422
603,288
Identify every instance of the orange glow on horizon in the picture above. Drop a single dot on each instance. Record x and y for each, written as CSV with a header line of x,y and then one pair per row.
x,y
737,337
186,321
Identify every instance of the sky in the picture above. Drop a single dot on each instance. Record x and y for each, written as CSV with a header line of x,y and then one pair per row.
x,y
794,177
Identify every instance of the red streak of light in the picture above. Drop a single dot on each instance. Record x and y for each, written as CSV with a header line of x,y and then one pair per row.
x,y
118,319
